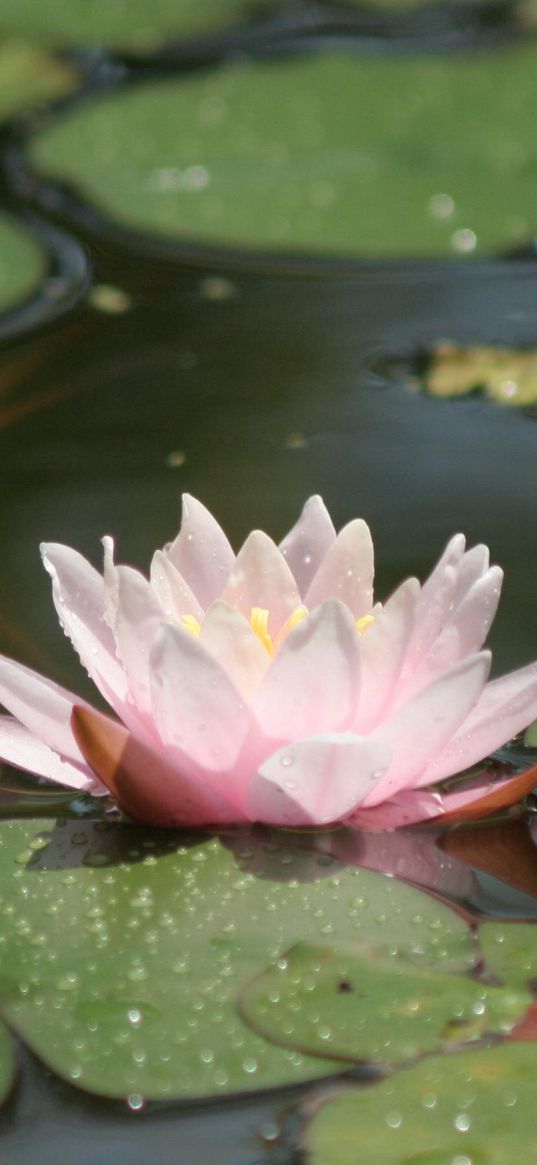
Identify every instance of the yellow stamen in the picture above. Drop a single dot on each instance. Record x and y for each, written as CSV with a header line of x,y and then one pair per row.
x,y
190,624
363,623
259,617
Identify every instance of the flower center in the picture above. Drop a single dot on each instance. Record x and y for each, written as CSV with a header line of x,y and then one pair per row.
x,y
259,618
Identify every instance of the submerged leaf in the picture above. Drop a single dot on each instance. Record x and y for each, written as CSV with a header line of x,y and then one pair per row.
x,y
505,375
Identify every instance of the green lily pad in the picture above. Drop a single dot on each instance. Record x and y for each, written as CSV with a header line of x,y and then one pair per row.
x,y
510,950
505,375
28,76
473,1108
530,736
119,22
7,1063
125,949
22,264
352,1005
335,154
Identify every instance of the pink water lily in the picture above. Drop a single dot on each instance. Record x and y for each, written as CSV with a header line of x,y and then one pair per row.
x,y
267,686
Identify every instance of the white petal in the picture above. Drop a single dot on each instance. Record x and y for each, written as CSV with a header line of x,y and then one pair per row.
x,y
138,617
78,592
196,707
201,552
315,781
171,590
312,685
305,546
232,642
416,732
261,578
506,706
382,651
41,705
21,748
346,572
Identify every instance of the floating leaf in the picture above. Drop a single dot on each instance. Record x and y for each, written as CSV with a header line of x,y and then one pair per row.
x,y
505,375
125,949
473,1108
362,1005
332,154
7,1062
28,76
510,950
129,22
502,848
22,264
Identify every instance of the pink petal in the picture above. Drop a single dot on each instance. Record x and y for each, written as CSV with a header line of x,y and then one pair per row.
x,y
196,707
346,572
139,615
417,731
261,578
315,781
382,651
201,552
41,705
21,748
305,546
229,638
468,625
78,592
146,785
472,566
312,685
171,590
506,706
406,808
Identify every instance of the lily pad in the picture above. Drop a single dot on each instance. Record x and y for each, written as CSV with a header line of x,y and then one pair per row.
x,y
125,949
352,1005
22,264
473,1108
28,75
510,950
7,1063
505,375
335,154
119,22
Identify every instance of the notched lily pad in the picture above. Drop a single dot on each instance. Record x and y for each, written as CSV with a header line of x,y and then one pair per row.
x,y
510,951
505,375
472,1107
333,154
364,1005
125,949
22,264
132,23
28,76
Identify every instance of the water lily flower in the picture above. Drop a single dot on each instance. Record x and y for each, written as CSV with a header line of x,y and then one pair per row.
x,y
267,685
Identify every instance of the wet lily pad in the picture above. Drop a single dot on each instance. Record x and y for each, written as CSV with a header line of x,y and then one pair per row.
x,y
352,1005
505,375
22,264
7,1063
125,949
510,950
335,154
467,1109
122,22
28,75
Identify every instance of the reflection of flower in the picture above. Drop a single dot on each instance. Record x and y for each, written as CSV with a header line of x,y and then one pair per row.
x,y
267,686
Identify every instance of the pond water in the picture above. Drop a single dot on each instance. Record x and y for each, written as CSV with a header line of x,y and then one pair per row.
x,y
135,366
